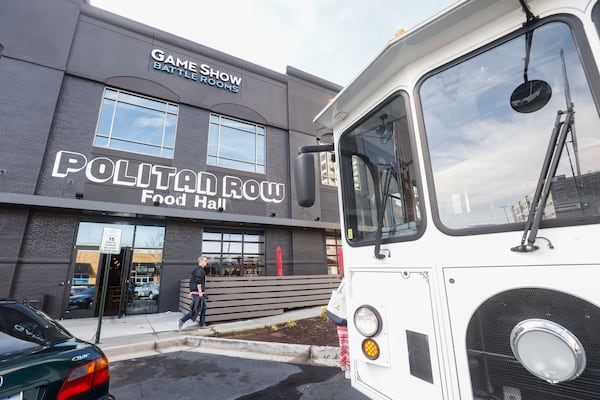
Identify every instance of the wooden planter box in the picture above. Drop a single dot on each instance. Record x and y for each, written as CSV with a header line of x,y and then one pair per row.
x,y
235,298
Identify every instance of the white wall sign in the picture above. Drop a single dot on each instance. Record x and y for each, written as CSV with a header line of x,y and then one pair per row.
x,y
193,71
168,185
111,241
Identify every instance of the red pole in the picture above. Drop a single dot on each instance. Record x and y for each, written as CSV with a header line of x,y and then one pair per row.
x,y
278,251
340,262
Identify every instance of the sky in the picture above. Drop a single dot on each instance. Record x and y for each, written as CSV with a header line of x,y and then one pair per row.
x,y
331,39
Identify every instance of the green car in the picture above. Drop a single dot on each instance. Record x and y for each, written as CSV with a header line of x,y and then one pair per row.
x,y
40,360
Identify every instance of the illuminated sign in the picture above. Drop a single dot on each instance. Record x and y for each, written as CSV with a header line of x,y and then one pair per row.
x,y
193,71
198,189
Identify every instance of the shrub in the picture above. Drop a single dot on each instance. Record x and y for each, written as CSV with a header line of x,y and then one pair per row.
x,y
324,316
290,323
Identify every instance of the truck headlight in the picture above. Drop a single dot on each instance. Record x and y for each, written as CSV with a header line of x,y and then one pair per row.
x,y
548,350
367,321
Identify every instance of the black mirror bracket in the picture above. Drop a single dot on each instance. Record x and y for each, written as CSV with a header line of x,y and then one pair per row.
x,y
530,17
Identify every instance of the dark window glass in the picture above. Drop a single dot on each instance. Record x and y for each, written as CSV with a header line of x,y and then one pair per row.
x,y
234,253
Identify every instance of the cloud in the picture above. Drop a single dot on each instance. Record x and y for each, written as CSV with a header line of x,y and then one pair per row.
x,y
149,122
332,39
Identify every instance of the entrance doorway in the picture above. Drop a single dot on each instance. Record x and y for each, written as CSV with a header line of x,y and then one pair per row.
x,y
133,281
118,291
87,283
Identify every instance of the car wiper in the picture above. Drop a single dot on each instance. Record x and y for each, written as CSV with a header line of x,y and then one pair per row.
x,y
563,125
389,172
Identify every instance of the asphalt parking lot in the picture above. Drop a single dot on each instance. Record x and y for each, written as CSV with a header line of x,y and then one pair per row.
x,y
192,375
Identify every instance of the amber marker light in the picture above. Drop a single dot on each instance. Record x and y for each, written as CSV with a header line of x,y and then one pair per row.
x,y
370,349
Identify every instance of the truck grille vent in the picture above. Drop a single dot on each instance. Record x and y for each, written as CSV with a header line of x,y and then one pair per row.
x,y
496,373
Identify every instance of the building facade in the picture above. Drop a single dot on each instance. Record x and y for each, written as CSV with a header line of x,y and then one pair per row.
x,y
126,152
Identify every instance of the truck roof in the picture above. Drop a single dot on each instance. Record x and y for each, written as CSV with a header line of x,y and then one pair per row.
x,y
450,24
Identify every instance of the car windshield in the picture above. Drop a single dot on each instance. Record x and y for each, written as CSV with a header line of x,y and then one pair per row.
x,y
23,328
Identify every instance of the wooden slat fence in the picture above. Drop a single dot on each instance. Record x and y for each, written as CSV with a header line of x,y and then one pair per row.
x,y
236,298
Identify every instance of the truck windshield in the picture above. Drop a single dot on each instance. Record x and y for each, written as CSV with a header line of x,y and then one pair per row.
x,y
381,195
486,156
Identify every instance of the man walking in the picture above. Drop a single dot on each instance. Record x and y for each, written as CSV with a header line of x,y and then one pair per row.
x,y
198,294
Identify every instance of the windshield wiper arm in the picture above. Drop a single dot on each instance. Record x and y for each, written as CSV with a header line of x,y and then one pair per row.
x,y
555,147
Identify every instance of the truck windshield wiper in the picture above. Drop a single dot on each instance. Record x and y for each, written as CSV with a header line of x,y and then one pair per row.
x,y
563,125
390,172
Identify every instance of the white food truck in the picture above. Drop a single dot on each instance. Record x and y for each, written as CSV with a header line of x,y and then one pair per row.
x,y
467,156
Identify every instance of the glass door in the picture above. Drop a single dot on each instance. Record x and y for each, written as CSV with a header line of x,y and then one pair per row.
x,y
82,292
133,281
87,283
144,281
116,288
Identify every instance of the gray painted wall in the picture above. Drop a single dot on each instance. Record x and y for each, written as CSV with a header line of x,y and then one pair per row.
x,y
57,58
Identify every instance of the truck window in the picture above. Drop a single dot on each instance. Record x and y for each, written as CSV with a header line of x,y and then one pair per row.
x,y
381,194
485,157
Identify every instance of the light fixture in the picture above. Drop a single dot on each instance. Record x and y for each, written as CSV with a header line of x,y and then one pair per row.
x,y
220,209
317,219
272,214
548,350
156,203
367,321
370,349
79,196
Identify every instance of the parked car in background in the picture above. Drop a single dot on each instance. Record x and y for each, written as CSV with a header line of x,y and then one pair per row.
x,y
77,289
82,300
148,289
41,360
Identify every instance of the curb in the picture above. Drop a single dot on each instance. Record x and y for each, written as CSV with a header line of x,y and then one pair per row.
x,y
295,353
150,346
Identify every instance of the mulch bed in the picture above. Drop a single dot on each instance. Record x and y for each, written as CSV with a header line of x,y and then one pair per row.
x,y
312,331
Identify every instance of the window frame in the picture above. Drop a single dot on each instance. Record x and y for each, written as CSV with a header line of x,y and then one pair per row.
x,y
170,109
593,79
346,171
236,237
216,159
327,158
333,243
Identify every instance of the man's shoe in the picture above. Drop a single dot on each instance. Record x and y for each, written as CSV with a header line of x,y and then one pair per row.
x,y
179,325
203,327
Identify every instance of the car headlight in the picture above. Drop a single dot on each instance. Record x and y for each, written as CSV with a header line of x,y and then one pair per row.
x,y
367,321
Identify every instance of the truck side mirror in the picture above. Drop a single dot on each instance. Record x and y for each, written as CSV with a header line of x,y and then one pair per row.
x,y
304,174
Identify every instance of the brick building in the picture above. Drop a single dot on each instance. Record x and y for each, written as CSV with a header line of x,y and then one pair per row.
x,y
130,150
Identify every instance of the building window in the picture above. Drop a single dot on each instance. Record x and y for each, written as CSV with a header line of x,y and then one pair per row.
x,y
236,144
81,279
327,164
234,253
333,242
136,124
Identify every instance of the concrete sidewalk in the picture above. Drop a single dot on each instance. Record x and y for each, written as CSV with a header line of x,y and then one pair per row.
x,y
141,335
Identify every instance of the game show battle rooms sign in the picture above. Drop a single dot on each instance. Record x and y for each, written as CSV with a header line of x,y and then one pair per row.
x,y
168,185
187,69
